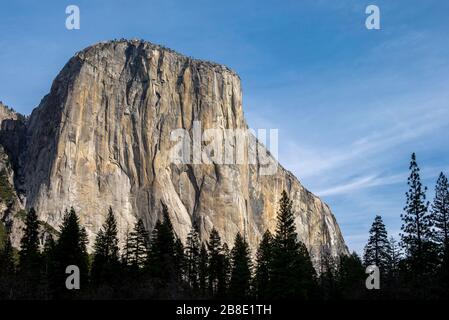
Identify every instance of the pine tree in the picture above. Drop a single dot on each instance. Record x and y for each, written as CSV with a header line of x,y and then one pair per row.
x,y
203,270
263,266
162,250
7,266
215,264
29,255
154,261
193,258
70,250
179,261
351,277
416,228
239,287
225,271
308,281
168,236
378,247
394,256
105,266
440,215
440,219
292,274
137,246
7,270
328,278
29,270
48,255
126,251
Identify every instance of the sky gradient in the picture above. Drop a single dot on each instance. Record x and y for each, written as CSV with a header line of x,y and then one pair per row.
x,y
351,104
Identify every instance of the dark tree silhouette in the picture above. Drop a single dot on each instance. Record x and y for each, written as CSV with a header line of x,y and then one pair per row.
x,y
105,265
395,256
292,274
203,271
162,251
179,261
7,266
29,255
29,270
239,287
7,269
70,250
263,266
48,256
440,219
440,215
416,229
378,247
328,277
193,259
351,277
224,275
136,250
218,264
308,281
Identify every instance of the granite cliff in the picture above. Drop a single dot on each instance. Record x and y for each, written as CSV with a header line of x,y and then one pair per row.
x,y
103,137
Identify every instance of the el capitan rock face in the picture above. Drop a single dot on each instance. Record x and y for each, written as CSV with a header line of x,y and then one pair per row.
x,y
101,138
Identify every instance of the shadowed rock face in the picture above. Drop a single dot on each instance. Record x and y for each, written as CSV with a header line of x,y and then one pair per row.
x,y
101,138
12,130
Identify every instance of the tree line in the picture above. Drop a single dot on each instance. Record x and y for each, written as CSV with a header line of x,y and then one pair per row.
x,y
417,266
158,265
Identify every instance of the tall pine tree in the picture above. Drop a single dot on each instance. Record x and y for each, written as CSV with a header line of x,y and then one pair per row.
x,y
30,258
292,274
263,266
179,260
440,219
215,264
416,233
351,277
70,250
7,270
7,265
378,247
29,255
137,246
105,265
328,279
162,251
395,256
224,275
48,256
203,271
239,287
440,215
193,259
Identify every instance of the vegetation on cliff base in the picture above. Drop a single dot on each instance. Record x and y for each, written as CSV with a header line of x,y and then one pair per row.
x,y
2,235
6,190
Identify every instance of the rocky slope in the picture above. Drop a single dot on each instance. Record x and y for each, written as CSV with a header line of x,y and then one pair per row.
x,y
102,137
10,203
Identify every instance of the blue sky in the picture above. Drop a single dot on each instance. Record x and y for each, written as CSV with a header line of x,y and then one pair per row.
x,y
351,104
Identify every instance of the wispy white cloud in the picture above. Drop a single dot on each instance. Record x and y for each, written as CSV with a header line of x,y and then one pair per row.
x,y
362,183
312,162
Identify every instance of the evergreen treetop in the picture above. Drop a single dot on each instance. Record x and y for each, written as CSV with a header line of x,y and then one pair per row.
x,y
29,245
440,214
378,247
241,269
